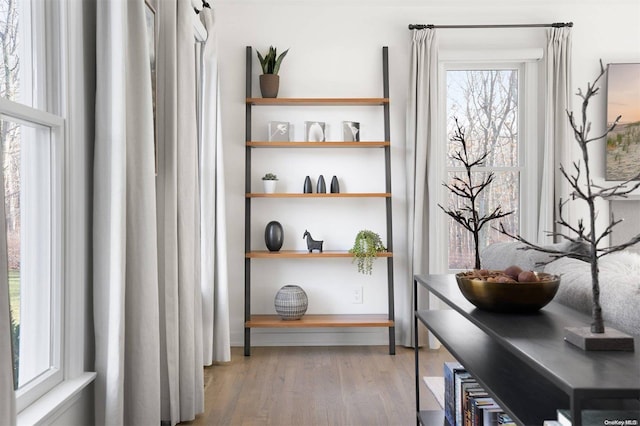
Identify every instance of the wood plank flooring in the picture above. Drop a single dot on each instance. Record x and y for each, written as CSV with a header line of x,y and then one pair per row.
x,y
300,386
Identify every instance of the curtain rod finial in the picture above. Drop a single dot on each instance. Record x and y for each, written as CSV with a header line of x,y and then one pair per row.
x,y
420,26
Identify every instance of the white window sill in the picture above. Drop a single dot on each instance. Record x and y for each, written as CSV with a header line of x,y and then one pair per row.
x,y
55,402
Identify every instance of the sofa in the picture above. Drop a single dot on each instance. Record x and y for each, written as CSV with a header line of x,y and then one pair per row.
x,y
619,280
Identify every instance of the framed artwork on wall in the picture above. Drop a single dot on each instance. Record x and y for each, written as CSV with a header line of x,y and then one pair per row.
x,y
623,143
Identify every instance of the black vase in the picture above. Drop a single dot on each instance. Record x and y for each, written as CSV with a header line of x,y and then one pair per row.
x,y
273,235
308,189
335,186
322,187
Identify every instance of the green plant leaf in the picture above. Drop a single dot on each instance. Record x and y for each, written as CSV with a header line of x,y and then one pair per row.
x,y
365,250
263,62
270,62
276,67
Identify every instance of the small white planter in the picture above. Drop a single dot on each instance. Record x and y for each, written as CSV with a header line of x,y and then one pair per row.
x,y
269,186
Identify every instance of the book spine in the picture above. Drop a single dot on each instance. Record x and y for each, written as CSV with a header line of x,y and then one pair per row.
x,y
451,369
457,402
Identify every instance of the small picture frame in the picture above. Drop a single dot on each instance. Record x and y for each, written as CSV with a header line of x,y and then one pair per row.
x,y
315,131
279,131
351,131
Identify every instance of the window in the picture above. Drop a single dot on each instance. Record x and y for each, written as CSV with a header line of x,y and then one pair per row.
x,y
32,141
494,102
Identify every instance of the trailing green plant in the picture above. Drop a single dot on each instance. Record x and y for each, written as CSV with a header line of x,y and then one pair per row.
x,y
269,176
365,249
271,61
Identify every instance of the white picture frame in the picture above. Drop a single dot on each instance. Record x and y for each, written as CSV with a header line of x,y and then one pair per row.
x,y
351,131
315,131
279,131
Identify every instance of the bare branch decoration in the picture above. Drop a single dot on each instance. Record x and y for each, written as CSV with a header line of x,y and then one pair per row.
x,y
469,215
585,189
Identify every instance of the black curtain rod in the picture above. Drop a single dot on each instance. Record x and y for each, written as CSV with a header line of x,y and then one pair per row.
x,y
431,26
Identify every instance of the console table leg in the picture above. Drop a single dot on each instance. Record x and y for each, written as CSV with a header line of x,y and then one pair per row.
x,y
576,411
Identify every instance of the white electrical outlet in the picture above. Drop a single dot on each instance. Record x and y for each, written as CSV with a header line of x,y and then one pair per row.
x,y
356,295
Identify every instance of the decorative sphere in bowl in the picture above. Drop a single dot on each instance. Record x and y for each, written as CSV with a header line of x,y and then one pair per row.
x,y
493,291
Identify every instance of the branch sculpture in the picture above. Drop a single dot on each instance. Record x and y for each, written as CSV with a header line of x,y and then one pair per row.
x,y
469,216
586,190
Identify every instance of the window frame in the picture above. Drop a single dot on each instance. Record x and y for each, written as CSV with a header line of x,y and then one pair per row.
x,y
64,46
527,63
39,104
46,381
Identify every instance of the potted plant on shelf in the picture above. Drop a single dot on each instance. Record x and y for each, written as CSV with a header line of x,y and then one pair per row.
x,y
270,80
269,181
365,249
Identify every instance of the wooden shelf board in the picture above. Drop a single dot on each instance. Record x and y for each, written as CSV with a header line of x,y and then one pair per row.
x,y
316,195
318,321
317,101
331,144
302,254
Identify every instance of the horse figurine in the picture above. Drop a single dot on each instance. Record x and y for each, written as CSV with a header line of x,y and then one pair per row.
x,y
311,243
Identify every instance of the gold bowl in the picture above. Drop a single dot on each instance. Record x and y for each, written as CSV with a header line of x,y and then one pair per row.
x,y
509,297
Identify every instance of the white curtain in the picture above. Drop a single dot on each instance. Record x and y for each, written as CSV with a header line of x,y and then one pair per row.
x,y
213,236
179,217
7,395
125,272
421,134
557,135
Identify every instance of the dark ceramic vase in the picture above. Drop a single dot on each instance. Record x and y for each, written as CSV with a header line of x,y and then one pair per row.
x,y
335,186
321,187
308,188
273,235
269,85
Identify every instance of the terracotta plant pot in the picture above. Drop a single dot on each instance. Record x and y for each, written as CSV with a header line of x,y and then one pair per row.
x,y
269,85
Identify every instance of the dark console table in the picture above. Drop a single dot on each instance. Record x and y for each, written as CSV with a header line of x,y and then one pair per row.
x,y
522,360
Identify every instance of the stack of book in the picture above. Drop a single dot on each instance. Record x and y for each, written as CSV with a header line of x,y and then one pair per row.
x,y
466,401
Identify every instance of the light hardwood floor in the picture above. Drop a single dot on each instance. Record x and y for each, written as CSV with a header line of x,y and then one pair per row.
x,y
351,385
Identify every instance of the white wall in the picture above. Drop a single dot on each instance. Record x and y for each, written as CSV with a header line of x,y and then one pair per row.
x,y
336,52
